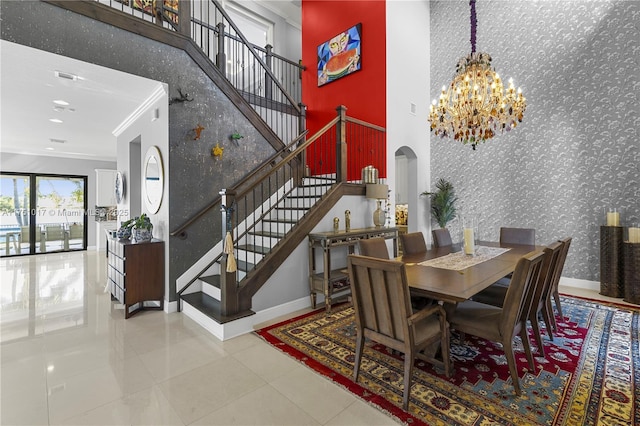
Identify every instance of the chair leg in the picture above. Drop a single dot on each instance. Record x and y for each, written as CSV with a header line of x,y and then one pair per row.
x,y
527,346
536,331
359,349
548,321
408,371
508,351
556,297
552,317
445,350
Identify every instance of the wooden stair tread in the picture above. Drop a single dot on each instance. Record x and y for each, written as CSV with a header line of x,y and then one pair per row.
x,y
277,220
214,280
267,234
211,307
254,248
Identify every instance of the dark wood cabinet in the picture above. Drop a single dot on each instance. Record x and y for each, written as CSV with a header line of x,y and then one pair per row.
x,y
136,274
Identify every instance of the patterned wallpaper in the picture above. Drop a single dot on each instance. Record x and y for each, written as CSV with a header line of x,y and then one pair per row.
x,y
578,148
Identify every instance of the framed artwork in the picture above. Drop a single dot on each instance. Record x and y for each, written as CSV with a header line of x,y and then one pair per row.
x,y
340,55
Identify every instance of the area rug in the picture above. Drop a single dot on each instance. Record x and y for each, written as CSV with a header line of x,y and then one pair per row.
x,y
590,375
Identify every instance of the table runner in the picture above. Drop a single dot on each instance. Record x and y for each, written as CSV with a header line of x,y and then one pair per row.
x,y
459,261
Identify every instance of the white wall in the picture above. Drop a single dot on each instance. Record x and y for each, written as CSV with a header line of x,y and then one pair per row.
x,y
407,84
62,166
144,129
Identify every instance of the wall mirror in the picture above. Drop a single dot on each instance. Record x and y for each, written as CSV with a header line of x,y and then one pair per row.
x,y
153,179
119,187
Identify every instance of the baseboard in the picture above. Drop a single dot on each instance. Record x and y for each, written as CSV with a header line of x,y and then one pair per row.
x,y
578,283
170,307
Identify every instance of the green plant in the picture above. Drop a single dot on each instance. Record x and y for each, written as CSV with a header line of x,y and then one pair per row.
x,y
443,202
142,222
138,222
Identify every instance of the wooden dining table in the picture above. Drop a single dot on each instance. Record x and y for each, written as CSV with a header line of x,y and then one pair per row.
x,y
453,286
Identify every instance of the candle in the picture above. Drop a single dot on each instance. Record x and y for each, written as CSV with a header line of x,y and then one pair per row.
x,y
613,219
469,243
634,235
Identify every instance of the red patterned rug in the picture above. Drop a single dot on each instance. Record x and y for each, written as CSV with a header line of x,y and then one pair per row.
x,y
590,375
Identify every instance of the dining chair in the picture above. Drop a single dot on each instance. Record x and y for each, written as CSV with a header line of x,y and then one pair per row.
x,y
503,324
413,243
537,297
525,236
566,243
383,313
441,237
373,247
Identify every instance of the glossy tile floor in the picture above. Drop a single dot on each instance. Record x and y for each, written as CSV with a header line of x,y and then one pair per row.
x,y
69,357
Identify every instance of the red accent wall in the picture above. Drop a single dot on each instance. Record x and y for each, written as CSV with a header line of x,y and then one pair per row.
x,y
362,92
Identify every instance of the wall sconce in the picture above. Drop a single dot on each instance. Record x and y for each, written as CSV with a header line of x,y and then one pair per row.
x,y
378,192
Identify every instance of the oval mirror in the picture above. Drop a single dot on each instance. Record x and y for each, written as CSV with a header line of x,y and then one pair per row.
x,y
153,179
119,187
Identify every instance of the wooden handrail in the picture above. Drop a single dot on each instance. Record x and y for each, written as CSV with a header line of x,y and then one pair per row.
x,y
180,230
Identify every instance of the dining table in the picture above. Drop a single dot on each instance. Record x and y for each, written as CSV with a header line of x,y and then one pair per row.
x,y
460,276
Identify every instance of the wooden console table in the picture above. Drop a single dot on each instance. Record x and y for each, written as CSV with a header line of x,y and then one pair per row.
x,y
330,281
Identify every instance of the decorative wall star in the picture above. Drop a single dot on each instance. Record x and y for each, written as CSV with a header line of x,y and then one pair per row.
x,y
217,150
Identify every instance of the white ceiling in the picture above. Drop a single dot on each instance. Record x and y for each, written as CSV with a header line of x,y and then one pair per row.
x,y
100,100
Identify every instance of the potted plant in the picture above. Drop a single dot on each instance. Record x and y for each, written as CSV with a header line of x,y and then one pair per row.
x,y
124,232
142,228
443,202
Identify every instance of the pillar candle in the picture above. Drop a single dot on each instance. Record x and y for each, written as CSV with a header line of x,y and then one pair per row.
x,y
469,243
634,235
613,219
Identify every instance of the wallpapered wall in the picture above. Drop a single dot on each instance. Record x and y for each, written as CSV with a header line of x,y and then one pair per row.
x,y
577,150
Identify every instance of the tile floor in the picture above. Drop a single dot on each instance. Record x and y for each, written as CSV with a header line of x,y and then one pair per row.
x,y
69,357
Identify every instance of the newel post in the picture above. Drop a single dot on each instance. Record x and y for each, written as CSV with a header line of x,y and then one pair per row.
x,y
268,81
228,282
341,144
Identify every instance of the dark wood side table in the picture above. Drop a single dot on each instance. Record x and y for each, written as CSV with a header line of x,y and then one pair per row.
x,y
611,261
631,272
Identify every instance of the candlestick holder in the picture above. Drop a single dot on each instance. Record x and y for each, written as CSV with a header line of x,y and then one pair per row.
x,y
611,261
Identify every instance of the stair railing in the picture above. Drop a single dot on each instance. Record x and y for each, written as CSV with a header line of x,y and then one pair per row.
x,y
270,83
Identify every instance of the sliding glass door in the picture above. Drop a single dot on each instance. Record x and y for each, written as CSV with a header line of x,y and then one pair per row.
x,y
42,213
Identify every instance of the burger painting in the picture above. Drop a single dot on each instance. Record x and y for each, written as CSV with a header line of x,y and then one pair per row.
x,y
340,55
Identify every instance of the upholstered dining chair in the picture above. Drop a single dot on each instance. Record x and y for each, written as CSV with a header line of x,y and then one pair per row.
x,y
525,236
537,297
441,237
503,324
373,247
413,243
566,243
383,313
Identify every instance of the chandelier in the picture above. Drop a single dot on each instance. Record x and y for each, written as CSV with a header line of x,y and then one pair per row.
x,y
476,107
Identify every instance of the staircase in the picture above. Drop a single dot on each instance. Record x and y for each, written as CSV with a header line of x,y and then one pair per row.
x,y
204,304
271,211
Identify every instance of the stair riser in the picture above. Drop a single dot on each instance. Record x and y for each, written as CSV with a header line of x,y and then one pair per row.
x,y
300,202
211,290
316,191
275,227
260,240
281,214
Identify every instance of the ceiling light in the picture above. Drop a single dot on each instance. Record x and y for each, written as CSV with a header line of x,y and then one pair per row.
x,y
61,102
58,140
49,148
58,108
476,106
55,120
66,75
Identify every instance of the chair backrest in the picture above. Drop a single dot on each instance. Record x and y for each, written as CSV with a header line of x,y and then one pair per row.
x,y
413,243
54,232
373,247
381,298
441,237
76,231
24,234
525,236
566,242
541,291
514,309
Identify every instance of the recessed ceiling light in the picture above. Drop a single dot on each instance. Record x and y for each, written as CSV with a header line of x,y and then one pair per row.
x,y
66,75
58,108
55,120
61,102
49,149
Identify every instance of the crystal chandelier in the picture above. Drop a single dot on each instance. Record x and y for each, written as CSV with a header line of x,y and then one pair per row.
x,y
476,107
